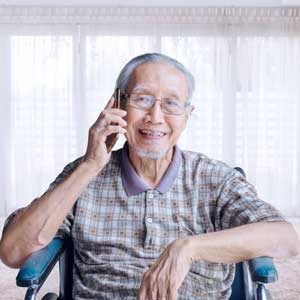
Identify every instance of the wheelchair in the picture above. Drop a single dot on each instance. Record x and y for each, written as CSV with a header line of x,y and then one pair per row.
x,y
249,281
248,284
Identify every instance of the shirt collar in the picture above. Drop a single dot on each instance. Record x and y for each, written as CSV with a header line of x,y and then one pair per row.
x,y
133,184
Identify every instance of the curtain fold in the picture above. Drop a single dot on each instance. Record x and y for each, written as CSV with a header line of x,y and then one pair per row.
x,y
143,15
58,68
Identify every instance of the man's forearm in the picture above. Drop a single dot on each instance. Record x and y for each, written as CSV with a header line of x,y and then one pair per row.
x,y
36,225
276,239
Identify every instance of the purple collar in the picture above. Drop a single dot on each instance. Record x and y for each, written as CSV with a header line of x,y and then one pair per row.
x,y
133,184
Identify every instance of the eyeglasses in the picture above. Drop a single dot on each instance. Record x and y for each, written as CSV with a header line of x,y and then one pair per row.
x,y
146,102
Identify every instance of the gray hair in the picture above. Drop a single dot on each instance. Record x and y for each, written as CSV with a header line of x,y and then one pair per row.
x,y
126,72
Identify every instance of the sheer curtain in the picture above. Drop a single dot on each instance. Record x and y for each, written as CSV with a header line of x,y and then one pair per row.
x,y
58,68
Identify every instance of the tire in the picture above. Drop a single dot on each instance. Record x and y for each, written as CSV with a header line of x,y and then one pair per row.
x,y
50,296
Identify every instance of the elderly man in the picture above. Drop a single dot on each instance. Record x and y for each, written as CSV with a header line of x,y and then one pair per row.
x,y
150,220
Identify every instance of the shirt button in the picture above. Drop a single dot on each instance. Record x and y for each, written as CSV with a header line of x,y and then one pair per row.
x,y
149,220
151,196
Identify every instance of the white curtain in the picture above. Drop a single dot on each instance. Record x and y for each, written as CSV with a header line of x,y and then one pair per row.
x,y
58,68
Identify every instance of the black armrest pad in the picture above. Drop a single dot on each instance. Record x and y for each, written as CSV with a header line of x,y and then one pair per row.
x,y
263,270
39,264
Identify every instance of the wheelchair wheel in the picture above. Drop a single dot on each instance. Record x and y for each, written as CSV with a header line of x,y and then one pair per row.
x,y
50,296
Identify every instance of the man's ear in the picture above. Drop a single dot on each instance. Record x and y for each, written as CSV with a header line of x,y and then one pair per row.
x,y
188,114
191,109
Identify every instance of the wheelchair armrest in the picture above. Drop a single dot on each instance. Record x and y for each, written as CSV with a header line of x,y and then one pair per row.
x,y
262,269
39,264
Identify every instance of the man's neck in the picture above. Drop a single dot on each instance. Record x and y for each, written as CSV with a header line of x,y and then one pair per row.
x,y
150,170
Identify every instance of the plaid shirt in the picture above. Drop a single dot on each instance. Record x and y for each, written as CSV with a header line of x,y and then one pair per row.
x,y
120,226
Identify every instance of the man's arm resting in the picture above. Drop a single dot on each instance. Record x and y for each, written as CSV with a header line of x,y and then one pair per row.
x,y
163,279
275,239
36,225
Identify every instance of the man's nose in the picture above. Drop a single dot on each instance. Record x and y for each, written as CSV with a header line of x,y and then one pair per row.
x,y
155,113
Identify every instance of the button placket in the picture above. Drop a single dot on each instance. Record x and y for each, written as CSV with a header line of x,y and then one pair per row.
x,y
149,220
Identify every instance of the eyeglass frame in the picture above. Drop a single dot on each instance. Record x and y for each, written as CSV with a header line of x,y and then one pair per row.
x,y
127,95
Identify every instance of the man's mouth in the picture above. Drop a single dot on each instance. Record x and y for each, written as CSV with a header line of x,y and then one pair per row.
x,y
152,133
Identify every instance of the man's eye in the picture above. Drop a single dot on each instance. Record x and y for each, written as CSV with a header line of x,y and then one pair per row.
x,y
171,102
143,99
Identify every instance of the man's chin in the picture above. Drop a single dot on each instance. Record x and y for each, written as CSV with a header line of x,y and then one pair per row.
x,y
150,153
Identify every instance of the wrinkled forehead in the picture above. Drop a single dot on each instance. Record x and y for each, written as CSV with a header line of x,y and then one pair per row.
x,y
160,79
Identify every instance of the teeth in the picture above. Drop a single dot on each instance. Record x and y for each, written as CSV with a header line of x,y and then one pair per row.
x,y
153,133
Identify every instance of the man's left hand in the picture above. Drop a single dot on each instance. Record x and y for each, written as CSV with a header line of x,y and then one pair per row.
x,y
164,278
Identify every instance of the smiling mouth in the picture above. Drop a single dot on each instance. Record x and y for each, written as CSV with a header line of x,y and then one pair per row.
x,y
152,133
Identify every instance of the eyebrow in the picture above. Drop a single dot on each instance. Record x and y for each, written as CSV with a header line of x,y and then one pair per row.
x,y
141,88
138,87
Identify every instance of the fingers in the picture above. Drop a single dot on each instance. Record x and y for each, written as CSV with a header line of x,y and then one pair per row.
x,y
145,292
154,287
113,129
112,115
172,294
110,102
103,135
161,290
163,279
142,293
107,118
104,132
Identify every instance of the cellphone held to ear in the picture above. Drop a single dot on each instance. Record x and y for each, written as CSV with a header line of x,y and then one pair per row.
x,y
112,139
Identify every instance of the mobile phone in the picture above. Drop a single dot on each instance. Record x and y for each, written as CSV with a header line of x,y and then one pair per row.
x,y
112,139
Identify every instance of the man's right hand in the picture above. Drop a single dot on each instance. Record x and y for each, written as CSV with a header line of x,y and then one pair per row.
x,y
36,225
110,121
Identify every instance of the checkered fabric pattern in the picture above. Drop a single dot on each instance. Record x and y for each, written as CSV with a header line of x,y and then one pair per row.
x,y
117,236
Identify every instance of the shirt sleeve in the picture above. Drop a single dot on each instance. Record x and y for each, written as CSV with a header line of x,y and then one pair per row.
x,y
65,228
239,204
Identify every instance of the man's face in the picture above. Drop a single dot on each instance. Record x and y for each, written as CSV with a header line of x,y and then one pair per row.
x,y
153,133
